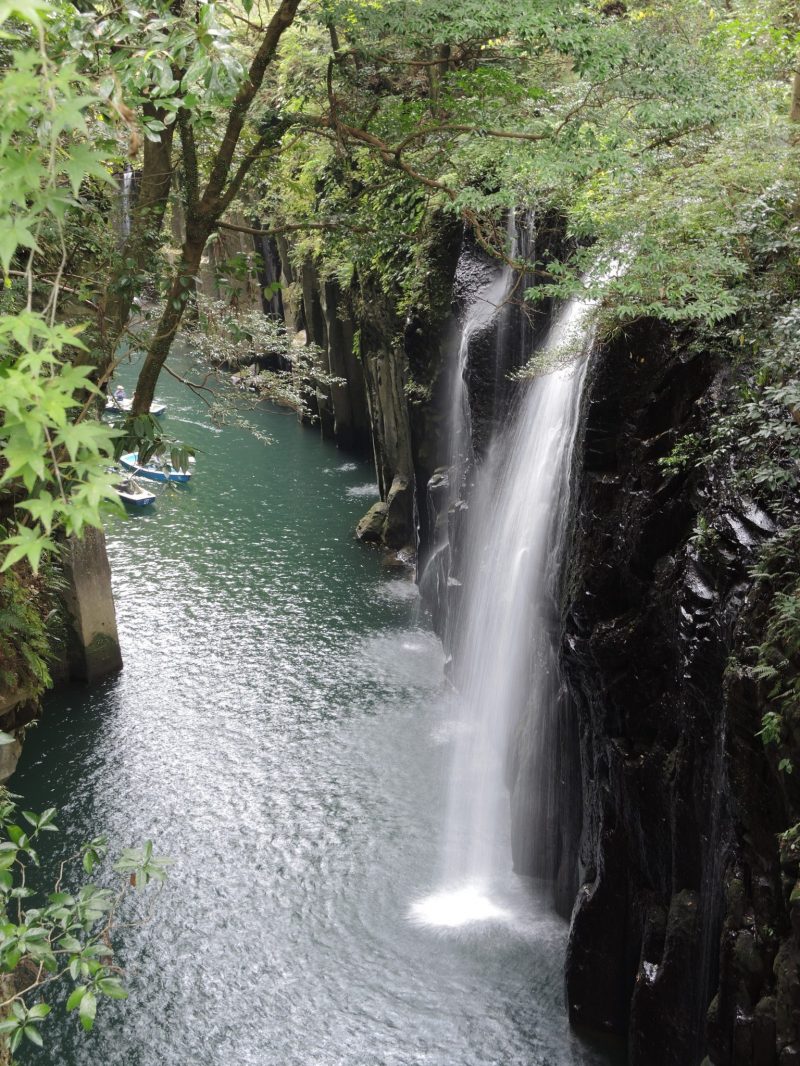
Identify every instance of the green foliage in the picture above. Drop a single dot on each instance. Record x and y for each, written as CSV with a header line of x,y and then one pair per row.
x,y
704,537
158,55
416,393
754,439
789,842
144,435
241,341
142,866
25,644
777,658
52,456
60,463
653,133
59,935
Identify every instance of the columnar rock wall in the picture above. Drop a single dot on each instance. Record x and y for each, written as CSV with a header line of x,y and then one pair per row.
x,y
380,371
681,937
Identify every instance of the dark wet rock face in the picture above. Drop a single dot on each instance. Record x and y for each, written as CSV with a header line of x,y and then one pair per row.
x,y
680,937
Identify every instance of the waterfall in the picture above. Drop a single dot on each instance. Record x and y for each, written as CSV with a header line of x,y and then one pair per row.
x,y
504,640
125,200
480,315
484,318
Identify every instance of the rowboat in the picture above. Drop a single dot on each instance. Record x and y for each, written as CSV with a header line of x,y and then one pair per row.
x,y
123,407
154,469
131,492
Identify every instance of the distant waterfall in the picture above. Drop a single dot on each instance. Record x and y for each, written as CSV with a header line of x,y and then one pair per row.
x,y
125,198
505,637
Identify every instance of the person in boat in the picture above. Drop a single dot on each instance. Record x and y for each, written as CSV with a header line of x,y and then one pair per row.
x,y
119,393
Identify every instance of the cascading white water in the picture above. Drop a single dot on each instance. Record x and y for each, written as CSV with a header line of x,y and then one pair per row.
x,y
483,309
505,634
487,303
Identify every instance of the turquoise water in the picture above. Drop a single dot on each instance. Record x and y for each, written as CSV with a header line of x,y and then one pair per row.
x,y
282,731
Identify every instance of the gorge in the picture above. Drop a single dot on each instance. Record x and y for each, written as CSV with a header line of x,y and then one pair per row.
x,y
281,728
639,824
526,755
441,707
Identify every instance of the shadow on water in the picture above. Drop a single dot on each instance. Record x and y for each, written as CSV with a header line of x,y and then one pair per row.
x,y
279,731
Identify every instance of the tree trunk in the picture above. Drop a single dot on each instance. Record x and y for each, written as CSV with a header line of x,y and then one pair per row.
x,y
795,111
203,212
180,295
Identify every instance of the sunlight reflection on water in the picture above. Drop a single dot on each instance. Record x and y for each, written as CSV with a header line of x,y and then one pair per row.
x,y
272,733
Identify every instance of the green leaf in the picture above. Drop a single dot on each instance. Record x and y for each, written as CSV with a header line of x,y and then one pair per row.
x,y
8,858
84,162
14,233
111,986
76,997
33,1034
28,544
27,10
87,1010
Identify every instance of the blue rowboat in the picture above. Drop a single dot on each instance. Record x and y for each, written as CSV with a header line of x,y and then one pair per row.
x,y
154,469
131,492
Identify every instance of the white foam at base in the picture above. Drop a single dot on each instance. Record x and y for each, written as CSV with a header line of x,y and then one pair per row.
x,y
455,908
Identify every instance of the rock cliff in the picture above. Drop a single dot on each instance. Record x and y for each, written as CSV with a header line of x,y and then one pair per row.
x,y
682,934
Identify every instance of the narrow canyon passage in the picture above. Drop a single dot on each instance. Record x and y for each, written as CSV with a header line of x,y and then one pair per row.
x,y
282,730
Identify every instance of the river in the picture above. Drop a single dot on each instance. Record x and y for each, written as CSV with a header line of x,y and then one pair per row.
x,y
281,730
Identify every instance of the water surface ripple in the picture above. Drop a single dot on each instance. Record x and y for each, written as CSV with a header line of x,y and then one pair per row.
x,y
280,730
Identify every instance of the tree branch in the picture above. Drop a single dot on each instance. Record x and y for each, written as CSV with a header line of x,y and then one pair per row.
x,y
451,127
293,227
280,21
